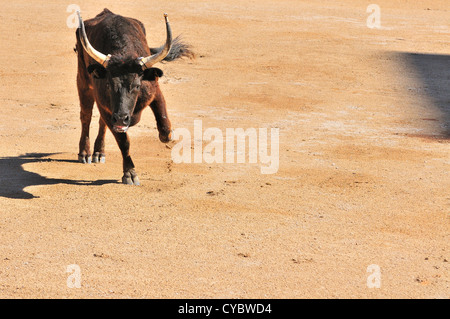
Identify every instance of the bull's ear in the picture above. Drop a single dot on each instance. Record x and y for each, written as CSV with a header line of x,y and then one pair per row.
x,y
152,73
97,70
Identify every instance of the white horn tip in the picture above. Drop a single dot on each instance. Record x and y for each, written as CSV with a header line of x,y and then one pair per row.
x,y
80,19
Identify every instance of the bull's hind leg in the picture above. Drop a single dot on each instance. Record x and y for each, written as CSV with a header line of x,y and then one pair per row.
x,y
99,146
86,104
129,175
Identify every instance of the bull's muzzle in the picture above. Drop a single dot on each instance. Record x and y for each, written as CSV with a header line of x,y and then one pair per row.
x,y
121,122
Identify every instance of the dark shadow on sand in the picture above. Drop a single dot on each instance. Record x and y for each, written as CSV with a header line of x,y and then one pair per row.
x,y
14,178
433,70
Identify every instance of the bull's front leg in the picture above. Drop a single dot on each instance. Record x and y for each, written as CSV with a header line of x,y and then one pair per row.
x,y
158,107
86,105
99,146
129,175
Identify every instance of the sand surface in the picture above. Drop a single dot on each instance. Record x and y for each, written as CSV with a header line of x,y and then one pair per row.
x,y
364,127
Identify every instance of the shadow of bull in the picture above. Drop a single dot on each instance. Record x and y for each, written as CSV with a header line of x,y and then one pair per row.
x,y
15,179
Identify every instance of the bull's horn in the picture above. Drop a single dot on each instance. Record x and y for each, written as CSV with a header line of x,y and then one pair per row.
x,y
158,57
93,53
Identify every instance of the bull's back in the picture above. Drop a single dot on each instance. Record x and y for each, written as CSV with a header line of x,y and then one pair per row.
x,y
111,33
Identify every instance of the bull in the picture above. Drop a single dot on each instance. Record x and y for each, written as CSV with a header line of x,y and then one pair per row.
x,y
115,70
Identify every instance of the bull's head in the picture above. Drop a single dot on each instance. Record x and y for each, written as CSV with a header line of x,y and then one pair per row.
x,y
124,77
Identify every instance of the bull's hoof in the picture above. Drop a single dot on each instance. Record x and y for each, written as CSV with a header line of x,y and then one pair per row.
x,y
99,158
130,178
165,138
85,159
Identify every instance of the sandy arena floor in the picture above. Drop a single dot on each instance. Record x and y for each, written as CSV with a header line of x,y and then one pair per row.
x,y
364,122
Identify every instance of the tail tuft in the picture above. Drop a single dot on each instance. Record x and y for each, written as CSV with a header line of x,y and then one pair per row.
x,y
178,50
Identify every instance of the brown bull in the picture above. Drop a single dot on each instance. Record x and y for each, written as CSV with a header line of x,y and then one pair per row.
x,y
115,70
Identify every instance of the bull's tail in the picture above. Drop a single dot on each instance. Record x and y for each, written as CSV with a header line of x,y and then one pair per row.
x,y
179,49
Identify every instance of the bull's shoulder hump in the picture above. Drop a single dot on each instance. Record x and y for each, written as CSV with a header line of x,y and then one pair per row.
x,y
105,11
141,25
105,14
